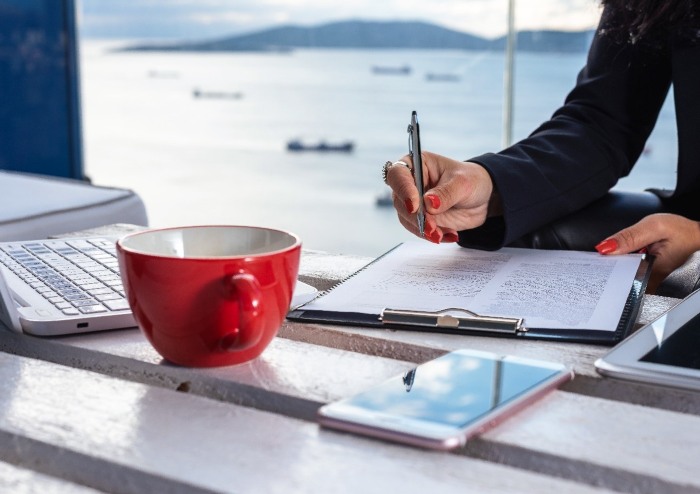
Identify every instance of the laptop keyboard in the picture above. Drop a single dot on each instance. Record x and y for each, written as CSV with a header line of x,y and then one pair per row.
x,y
76,276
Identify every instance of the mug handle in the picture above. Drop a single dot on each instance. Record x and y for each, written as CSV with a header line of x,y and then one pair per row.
x,y
246,289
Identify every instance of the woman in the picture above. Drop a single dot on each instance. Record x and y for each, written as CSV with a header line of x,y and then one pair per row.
x,y
641,47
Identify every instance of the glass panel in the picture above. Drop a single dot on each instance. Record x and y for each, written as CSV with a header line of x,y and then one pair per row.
x,y
39,114
213,136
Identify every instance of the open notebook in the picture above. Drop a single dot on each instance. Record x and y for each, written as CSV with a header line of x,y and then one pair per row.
x,y
66,286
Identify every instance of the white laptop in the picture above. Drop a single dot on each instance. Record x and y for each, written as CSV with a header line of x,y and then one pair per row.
x,y
55,287
67,286
666,351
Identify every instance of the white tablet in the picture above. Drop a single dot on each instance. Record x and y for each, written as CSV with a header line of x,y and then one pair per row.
x,y
666,351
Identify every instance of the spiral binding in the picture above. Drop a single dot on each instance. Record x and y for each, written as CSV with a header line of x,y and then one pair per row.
x,y
336,285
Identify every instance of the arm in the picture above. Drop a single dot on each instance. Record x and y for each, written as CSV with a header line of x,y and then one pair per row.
x,y
587,145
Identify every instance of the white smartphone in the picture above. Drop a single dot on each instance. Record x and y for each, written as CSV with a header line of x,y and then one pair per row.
x,y
442,403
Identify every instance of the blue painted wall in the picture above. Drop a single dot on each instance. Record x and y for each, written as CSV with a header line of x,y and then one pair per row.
x,y
39,88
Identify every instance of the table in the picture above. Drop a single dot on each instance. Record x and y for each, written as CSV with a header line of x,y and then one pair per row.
x,y
103,412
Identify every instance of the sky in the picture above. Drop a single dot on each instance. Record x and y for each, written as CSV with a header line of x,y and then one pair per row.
x,y
202,19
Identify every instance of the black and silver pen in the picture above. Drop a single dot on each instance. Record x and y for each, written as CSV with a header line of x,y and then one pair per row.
x,y
414,150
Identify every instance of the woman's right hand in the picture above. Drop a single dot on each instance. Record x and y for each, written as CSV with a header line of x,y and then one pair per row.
x,y
459,196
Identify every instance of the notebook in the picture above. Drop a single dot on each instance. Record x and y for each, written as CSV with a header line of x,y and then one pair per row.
x,y
524,293
67,286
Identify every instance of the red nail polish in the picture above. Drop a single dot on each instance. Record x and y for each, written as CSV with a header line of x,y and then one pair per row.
x,y
449,238
434,237
607,246
428,229
409,206
433,200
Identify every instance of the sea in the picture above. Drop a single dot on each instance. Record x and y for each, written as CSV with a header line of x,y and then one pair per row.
x,y
202,137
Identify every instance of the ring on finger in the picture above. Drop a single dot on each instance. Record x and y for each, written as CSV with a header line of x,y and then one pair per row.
x,y
389,164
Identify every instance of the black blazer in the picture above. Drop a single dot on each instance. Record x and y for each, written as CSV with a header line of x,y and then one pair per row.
x,y
597,136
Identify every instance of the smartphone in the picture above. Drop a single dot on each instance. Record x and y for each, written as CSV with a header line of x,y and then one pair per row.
x,y
442,403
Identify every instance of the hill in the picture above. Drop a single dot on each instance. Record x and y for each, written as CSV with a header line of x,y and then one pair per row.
x,y
377,35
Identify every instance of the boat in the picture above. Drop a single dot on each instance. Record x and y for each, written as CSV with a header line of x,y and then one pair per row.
x,y
385,70
321,146
384,199
163,74
441,77
198,93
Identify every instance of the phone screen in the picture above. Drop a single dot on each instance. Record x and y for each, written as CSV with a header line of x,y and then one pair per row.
x,y
444,397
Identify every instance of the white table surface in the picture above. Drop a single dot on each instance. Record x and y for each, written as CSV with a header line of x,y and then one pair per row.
x,y
103,412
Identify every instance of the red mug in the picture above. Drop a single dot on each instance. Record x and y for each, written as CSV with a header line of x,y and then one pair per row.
x,y
209,296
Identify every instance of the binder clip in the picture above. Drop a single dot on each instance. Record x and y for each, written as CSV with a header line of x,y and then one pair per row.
x,y
447,320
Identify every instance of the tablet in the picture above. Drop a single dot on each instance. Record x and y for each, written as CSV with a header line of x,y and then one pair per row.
x,y
666,351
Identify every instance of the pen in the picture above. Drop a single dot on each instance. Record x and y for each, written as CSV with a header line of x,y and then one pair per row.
x,y
414,151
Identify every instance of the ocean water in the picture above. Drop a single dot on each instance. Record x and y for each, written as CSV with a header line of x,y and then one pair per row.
x,y
224,159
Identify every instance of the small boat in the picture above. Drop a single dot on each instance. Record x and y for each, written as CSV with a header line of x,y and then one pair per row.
x,y
440,77
383,70
163,74
322,146
198,93
384,199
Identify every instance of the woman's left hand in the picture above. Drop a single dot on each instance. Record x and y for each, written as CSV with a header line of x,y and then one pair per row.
x,y
669,237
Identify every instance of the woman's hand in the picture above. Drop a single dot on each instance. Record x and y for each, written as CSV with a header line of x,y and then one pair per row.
x,y
457,196
669,237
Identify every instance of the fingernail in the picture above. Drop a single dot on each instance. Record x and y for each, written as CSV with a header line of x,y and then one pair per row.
x,y
428,229
433,200
434,237
409,206
449,238
607,246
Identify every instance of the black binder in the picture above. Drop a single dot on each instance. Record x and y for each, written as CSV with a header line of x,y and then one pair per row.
x,y
462,321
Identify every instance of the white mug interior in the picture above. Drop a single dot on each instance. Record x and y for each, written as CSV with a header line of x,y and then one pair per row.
x,y
209,241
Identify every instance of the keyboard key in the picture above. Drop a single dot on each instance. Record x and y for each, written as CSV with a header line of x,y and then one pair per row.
x,y
108,296
100,291
117,304
92,309
92,286
76,297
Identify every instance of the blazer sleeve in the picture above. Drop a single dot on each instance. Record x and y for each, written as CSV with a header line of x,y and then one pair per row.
x,y
589,143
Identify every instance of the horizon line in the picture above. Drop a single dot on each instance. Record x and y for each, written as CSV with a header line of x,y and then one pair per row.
x,y
321,24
